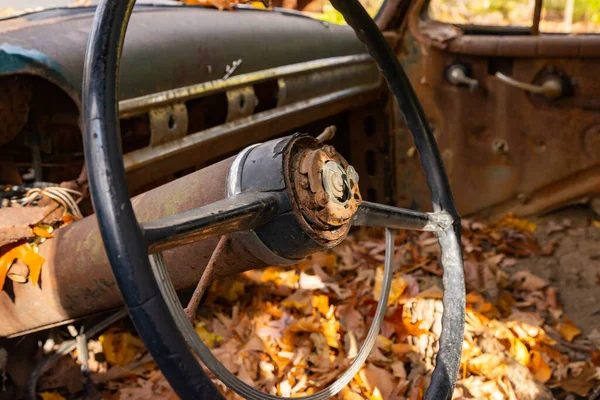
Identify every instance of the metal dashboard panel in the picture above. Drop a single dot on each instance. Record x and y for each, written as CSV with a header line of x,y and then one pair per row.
x,y
169,47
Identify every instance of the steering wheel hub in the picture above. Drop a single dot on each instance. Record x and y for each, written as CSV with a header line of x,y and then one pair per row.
x,y
325,196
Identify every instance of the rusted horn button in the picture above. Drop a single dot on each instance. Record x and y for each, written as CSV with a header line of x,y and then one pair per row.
x,y
325,189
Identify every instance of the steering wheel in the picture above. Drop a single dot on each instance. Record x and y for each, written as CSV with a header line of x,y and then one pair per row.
x,y
286,198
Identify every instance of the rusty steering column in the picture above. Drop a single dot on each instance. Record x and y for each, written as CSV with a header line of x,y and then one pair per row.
x,y
291,196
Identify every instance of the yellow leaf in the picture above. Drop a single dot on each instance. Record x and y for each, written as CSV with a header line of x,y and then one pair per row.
x,y
519,351
209,338
595,223
234,291
384,343
43,230
51,396
330,329
120,348
321,303
397,288
27,254
297,303
348,394
489,365
568,330
539,368
376,394
510,221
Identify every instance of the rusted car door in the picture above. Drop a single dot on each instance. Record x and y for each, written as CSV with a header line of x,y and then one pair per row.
x,y
516,113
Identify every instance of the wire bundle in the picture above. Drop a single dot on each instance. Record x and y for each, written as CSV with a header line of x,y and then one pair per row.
x,y
60,195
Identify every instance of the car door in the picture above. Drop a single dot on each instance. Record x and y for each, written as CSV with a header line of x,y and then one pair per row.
x,y
516,111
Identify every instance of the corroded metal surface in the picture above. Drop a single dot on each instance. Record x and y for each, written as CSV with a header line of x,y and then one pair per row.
x,y
76,279
15,95
324,201
168,123
146,164
504,149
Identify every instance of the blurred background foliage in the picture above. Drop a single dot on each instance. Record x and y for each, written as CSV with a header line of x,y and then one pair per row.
x,y
585,13
330,14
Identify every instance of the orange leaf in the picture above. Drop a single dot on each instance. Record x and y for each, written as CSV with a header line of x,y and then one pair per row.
x,y
539,367
325,260
473,298
44,231
568,330
330,328
321,303
68,218
27,254
552,353
402,348
415,329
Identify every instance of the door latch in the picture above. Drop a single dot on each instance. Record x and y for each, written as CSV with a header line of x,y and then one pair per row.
x,y
458,75
551,87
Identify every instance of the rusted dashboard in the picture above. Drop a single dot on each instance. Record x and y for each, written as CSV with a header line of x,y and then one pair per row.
x,y
197,85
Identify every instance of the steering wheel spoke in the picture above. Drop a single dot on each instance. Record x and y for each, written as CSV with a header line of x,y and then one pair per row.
x,y
241,212
380,215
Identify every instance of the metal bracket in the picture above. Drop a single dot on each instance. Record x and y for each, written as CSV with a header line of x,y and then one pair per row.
x,y
241,103
168,123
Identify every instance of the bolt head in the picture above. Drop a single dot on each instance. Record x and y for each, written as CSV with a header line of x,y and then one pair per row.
x,y
303,181
322,199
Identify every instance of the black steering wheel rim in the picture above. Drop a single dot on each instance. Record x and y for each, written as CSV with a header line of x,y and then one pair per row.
x,y
126,246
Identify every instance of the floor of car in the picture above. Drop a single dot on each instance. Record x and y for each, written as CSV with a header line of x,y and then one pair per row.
x,y
533,302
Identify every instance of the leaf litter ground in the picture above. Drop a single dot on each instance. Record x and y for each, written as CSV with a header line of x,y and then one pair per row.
x,y
291,331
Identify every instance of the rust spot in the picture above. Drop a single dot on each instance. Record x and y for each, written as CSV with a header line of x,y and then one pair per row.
x,y
325,197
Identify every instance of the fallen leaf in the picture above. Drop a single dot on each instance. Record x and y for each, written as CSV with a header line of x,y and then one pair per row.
x,y
26,253
209,338
510,221
51,396
321,303
539,367
234,291
402,348
396,289
310,282
120,348
525,280
433,292
491,366
568,330
43,230
330,329
580,384
326,260
380,380
519,351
